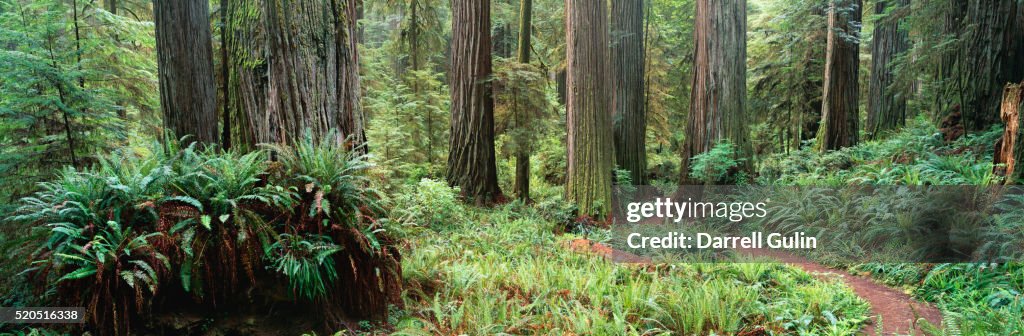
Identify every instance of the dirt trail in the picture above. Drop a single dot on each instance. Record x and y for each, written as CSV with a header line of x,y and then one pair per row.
x,y
899,312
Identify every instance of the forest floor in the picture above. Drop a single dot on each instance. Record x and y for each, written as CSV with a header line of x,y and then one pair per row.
x,y
892,311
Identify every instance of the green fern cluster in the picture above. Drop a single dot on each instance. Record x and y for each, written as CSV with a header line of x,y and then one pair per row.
x,y
915,156
204,219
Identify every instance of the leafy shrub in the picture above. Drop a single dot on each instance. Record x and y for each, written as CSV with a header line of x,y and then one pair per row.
x,y
718,165
430,203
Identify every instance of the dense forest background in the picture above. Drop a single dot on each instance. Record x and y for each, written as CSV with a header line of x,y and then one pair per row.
x,y
337,125
675,78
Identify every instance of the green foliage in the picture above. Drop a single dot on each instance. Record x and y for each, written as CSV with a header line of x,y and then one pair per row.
x,y
140,219
515,276
976,299
68,84
334,177
430,203
915,156
306,262
718,165
787,39
408,119
524,103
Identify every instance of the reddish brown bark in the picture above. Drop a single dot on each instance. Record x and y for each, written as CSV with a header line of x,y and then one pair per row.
x,y
188,94
718,95
471,162
839,125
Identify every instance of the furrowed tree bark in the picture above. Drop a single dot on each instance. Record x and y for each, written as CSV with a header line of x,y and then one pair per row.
x,y
630,118
471,162
718,93
352,121
887,110
297,71
522,182
839,124
993,55
188,94
225,77
588,109
1009,149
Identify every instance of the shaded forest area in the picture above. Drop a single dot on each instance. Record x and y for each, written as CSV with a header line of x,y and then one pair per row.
x,y
419,166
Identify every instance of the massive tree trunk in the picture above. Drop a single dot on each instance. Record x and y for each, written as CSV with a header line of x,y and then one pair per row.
x,y
522,183
588,108
839,124
718,95
471,163
188,94
630,114
947,70
886,108
295,70
993,55
1010,148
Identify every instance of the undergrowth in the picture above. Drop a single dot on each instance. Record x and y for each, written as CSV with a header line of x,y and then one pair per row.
x,y
976,298
505,270
149,226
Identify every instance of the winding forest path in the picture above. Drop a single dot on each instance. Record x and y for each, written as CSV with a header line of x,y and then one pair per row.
x,y
898,311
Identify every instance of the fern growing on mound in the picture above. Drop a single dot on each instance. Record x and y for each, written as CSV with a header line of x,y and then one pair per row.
x,y
213,224
338,202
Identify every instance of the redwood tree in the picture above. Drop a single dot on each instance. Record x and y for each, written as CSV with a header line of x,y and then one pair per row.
x,y
294,69
588,108
630,113
886,108
522,182
718,95
993,55
471,163
188,94
839,124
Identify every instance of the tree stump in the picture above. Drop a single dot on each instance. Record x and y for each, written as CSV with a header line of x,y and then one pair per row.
x,y
1008,150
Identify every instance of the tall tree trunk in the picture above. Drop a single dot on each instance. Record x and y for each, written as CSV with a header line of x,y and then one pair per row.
x,y
122,113
886,109
839,124
297,70
188,93
718,93
352,121
992,57
522,183
948,69
588,108
225,77
471,163
630,114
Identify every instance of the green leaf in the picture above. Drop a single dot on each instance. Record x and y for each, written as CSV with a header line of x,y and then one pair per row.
x,y
185,199
186,275
79,273
205,219
224,218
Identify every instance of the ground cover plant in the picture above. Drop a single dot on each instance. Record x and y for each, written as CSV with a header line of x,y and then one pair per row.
x,y
976,298
143,228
